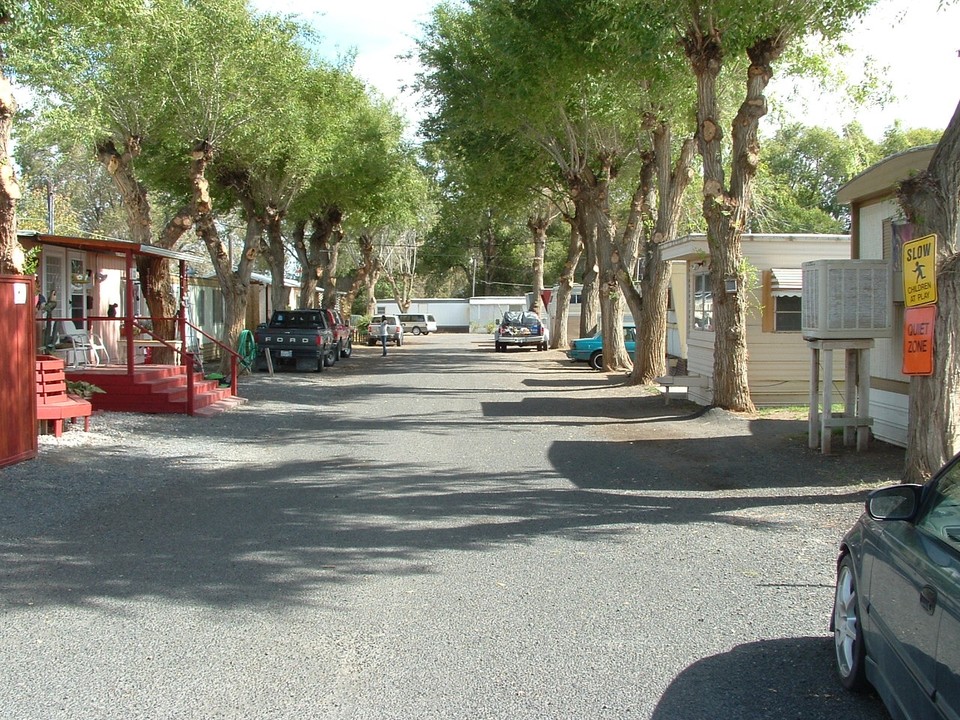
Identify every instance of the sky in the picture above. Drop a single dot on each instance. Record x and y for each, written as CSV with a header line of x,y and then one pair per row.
x,y
917,44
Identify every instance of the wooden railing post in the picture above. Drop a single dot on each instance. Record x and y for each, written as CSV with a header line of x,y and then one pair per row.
x,y
191,382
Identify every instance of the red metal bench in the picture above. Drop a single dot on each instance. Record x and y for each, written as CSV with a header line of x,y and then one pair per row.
x,y
54,404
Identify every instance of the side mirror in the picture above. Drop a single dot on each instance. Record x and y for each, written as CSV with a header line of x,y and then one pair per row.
x,y
897,502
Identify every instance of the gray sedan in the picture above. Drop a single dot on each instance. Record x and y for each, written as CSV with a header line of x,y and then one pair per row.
x,y
896,617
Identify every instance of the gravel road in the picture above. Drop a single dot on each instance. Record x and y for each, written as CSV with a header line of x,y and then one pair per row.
x,y
446,532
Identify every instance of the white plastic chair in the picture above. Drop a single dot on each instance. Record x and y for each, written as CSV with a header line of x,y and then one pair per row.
x,y
86,346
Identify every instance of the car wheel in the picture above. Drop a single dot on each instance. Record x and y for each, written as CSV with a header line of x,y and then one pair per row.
x,y
498,347
347,350
596,360
399,341
416,331
847,631
330,356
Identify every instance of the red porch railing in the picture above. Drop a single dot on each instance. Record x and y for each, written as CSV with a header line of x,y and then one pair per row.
x,y
187,358
136,325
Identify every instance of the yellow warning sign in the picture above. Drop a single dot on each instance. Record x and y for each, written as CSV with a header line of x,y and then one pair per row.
x,y
920,271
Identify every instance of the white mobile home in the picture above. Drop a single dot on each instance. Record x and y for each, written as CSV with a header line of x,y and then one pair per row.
x,y
877,233
459,314
451,314
779,359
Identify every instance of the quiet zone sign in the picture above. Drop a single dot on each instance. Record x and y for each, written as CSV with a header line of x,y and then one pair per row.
x,y
918,340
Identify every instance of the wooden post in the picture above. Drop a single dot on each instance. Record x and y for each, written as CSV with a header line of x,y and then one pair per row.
x,y
813,416
827,413
863,397
851,362
854,419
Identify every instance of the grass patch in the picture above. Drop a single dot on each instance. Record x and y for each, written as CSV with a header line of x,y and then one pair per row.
x,y
792,410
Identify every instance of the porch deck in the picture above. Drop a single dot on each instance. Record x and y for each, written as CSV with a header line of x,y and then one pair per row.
x,y
153,389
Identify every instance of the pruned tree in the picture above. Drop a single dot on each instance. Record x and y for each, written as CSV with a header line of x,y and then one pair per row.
x,y
713,32
931,202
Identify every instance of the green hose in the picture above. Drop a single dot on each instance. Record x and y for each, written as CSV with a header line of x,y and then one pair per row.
x,y
247,349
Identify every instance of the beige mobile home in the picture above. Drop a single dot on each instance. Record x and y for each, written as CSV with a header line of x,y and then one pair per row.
x,y
877,233
779,359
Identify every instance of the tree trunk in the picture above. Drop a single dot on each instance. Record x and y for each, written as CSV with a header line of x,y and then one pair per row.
x,y
277,261
330,256
590,293
538,224
560,337
234,284
637,228
402,289
156,280
592,198
318,256
12,258
650,356
488,252
367,275
930,202
726,210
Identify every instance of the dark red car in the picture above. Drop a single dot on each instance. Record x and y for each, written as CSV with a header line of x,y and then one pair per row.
x,y
342,332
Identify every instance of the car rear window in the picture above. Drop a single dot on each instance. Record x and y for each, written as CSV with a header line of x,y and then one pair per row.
x,y
295,320
521,319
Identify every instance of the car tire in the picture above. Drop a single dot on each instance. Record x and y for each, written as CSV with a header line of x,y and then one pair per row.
x,y
330,356
498,347
596,360
399,341
415,331
347,350
847,630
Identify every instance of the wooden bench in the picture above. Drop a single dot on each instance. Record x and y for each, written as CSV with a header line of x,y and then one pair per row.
x,y
54,404
687,381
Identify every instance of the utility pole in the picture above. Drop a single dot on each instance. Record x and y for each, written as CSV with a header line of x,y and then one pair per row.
x,y
49,207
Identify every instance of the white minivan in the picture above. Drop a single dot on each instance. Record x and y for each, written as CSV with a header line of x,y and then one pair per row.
x,y
417,324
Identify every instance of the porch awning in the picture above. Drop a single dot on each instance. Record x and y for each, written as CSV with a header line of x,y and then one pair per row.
x,y
786,282
99,244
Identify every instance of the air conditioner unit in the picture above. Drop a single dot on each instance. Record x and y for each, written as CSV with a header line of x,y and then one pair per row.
x,y
846,299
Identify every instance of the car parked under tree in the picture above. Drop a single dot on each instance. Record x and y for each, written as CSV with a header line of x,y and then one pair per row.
x,y
896,616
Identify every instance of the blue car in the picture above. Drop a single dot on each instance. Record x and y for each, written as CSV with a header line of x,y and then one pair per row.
x,y
590,350
896,615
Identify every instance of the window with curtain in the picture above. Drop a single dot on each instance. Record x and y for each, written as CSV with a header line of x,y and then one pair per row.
x,y
702,302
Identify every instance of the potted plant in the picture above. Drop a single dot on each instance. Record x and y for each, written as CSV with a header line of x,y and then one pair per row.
x,y
83,389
